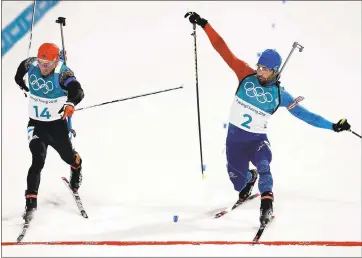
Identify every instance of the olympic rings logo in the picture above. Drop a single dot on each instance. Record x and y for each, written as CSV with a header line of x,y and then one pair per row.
x,y
258,93
38,84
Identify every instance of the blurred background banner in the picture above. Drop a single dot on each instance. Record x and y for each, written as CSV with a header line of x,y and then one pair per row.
x,y
21,25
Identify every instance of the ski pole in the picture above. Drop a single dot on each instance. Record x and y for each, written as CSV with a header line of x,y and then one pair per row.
x,y
128,98
198,102
355,133
295,45
61,21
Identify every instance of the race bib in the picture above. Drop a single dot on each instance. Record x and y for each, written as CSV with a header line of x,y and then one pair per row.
x,y
248,117
44,109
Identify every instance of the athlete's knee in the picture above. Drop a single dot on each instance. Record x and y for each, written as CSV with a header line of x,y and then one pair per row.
x,y
238,179
38,150
77,161
72,158
263,167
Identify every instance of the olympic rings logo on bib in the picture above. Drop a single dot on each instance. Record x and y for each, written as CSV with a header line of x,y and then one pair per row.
x,y
258,93
38,84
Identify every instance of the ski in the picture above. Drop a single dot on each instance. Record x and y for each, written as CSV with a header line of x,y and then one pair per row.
x,y
23,231
237,204
77,199
27,219
261,231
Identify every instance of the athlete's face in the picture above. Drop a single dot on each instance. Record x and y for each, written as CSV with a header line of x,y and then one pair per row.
x,y
264,74
46,66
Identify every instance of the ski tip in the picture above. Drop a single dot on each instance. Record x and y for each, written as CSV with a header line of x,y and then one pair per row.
x,y
84,214
65,179
220,214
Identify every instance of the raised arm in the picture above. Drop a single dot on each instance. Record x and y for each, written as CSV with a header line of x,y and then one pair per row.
x,y
240,68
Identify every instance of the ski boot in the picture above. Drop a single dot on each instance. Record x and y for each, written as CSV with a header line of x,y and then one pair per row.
x,y
266,208
75,179
76,176
246,192
30,207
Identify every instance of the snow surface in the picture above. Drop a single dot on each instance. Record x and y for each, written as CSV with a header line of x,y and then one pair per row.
x,y
141,161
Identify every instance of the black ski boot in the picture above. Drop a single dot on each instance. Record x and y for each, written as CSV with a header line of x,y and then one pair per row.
x,y
246,192
30,207
266,207
76,174
75,179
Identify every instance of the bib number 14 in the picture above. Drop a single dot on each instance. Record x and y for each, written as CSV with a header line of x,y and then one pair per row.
x,y
247,121
44,113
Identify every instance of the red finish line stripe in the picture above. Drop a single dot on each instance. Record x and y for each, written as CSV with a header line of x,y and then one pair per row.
x,y
163,243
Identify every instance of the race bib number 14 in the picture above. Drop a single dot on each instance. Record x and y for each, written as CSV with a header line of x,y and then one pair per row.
x,y
45,109
42,113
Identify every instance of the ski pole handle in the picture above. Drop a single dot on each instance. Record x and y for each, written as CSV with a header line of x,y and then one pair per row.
x,y
299,46
61,20
295,45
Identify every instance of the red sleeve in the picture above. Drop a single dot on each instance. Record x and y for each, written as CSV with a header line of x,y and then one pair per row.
x,y
240,68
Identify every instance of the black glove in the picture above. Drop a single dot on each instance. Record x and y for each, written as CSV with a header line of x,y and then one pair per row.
x,y
23,86
342,125
195,18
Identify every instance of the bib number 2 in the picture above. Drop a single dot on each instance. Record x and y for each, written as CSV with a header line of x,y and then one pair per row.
x,y
44,113
248,119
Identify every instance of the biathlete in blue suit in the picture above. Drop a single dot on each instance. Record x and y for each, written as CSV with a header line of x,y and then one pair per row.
x,y
258,96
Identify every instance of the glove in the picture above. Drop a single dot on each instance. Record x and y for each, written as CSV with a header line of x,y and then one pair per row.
x,y
67,110
23,86
342,125
195,18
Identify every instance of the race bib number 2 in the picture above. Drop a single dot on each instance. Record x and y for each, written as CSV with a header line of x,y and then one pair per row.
x,y
247,121
248,117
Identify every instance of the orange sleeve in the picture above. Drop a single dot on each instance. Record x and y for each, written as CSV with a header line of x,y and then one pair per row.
x,y
240,68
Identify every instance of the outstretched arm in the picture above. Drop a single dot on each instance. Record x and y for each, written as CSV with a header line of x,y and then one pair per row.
x,y
240,68
302,113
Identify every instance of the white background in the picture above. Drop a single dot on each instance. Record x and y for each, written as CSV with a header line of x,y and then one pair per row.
x,y
141,161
